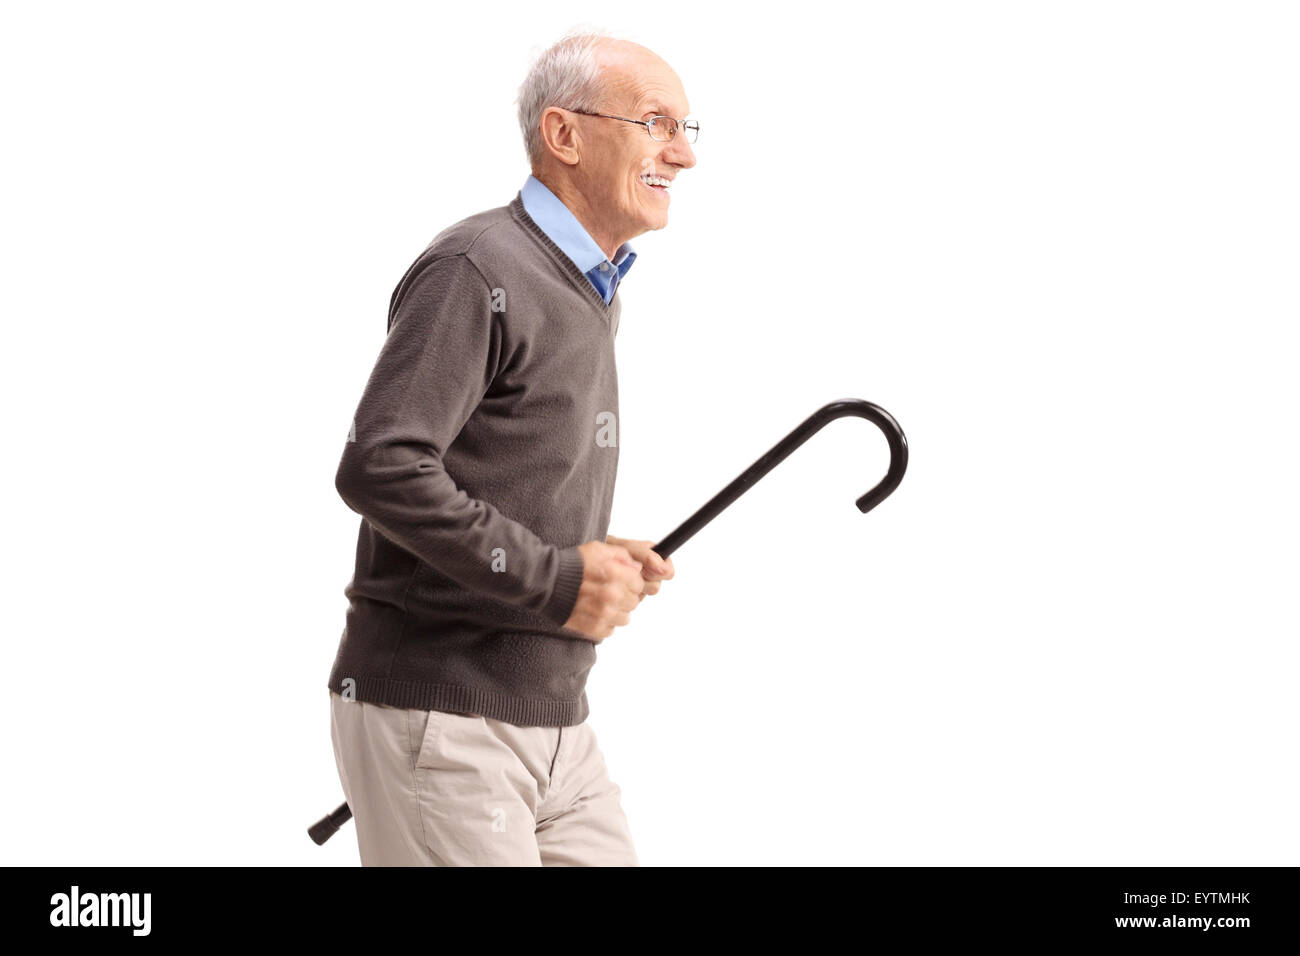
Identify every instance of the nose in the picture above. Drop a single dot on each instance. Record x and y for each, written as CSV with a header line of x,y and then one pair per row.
x,y
679,152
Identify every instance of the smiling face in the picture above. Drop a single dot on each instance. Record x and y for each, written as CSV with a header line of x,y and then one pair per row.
x,y
613,175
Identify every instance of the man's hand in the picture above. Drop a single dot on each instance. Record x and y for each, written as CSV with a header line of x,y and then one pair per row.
x,y
611,590
653,568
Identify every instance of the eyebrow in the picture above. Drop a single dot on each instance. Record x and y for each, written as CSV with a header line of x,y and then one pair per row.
x,y
657,109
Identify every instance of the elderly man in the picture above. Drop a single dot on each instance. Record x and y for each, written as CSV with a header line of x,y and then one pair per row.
x,y
482,459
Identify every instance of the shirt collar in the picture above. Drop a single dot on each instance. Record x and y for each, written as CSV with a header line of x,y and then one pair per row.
x,y
563,228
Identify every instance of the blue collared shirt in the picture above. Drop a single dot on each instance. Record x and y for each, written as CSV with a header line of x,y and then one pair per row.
x,y
563,229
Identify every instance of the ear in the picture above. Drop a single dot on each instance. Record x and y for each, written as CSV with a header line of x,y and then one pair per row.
x,y
560,135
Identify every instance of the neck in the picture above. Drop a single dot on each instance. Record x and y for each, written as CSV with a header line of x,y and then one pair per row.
x,y
573,198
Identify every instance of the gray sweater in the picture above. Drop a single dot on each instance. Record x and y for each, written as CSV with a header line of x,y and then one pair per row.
x,y
483,452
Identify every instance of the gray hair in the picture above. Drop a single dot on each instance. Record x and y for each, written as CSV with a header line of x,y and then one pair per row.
x,y
567,75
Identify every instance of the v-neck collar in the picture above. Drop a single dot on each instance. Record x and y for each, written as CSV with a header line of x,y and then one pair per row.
x,y
570,268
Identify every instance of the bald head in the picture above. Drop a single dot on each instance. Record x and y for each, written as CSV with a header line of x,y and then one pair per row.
x,y
613,171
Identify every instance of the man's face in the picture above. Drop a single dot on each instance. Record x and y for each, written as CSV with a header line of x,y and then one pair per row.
x,y
621,158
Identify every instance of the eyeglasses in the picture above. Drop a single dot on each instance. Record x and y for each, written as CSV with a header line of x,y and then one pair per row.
x,y
661,128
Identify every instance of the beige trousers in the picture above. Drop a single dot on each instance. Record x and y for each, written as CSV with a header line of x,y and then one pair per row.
x,y
433,788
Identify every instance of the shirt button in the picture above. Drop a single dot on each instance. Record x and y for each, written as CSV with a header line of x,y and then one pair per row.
x,y
604,267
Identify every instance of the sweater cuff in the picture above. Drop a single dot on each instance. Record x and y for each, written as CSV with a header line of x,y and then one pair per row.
x,y
564,596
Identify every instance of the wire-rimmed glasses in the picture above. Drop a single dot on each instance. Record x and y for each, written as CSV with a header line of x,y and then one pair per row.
x,y
661,128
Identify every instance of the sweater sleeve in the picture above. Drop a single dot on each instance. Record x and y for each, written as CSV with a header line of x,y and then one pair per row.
x,y
440,356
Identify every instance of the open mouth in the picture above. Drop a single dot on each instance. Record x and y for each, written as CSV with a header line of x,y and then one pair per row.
x,y
660,184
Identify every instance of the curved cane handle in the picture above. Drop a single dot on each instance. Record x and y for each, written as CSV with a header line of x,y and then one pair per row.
x,y
782,449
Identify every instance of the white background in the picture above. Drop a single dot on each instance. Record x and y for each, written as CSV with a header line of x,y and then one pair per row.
x,y
1057,241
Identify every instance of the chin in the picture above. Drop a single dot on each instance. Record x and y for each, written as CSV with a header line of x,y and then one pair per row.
x,y
655,220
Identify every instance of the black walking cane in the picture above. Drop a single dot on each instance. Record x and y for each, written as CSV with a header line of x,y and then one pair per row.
x,y
329,825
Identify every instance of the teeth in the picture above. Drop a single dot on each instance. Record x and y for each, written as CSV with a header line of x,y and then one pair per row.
x,y
657,181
